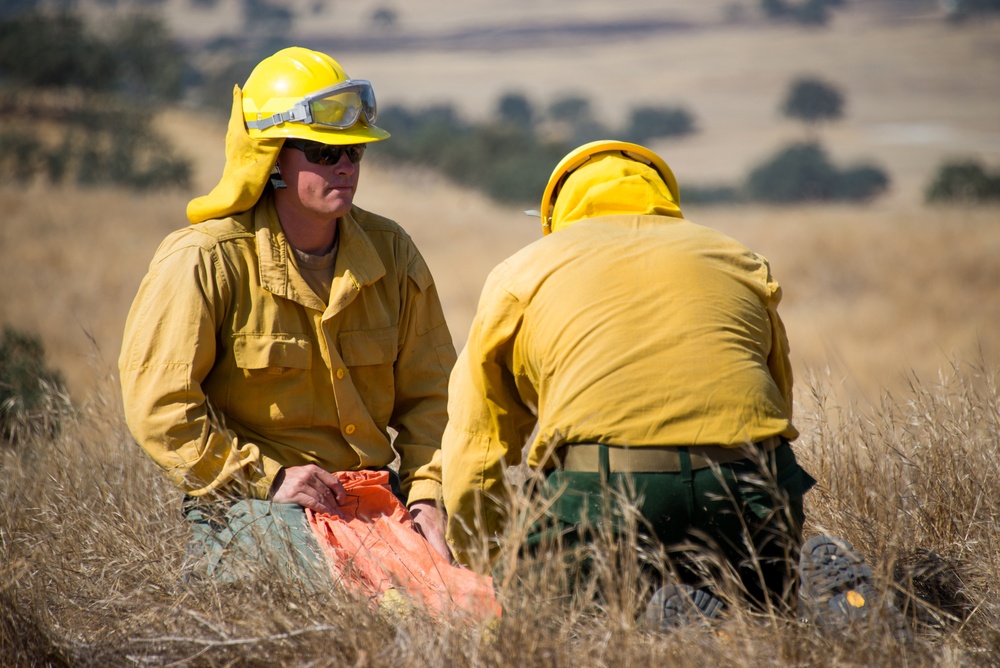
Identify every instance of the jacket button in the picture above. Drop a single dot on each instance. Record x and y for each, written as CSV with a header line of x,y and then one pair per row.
x,y
349,429
340,374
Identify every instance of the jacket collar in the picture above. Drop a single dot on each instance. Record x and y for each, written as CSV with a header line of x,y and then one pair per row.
x,y
358,263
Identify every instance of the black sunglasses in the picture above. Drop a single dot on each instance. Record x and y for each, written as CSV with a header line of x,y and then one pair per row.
x,y
327,154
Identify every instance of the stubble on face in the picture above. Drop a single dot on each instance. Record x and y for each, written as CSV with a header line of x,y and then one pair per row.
x,y
320,192
314,199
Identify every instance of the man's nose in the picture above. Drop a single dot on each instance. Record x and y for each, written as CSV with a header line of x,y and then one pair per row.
x,y
344,165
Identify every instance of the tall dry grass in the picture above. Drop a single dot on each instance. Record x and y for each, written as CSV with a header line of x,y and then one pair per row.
x,y
92,544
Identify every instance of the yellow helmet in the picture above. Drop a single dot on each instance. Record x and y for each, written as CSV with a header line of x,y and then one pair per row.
x,y
583,154
306,94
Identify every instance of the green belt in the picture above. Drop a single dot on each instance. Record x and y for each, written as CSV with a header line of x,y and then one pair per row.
x,y
585,457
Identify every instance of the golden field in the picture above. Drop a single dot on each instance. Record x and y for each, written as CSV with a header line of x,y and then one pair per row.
x,y
871,291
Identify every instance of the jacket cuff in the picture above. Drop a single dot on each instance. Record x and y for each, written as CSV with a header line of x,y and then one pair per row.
x,y
424,490
261,487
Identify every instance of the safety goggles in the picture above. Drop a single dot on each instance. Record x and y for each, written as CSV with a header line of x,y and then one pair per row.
x,y
327,154
339,106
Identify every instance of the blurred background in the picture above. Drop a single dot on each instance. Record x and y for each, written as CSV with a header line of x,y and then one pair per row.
x,y
854,144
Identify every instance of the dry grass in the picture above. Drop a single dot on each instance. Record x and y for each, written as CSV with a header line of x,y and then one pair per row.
x,y
92,540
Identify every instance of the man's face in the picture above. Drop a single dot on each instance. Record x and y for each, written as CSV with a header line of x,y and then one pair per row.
x,y
318,192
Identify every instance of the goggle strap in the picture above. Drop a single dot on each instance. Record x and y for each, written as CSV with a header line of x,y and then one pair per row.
x,y
297,114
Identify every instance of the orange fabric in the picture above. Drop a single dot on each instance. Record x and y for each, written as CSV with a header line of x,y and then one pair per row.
x,y
373,548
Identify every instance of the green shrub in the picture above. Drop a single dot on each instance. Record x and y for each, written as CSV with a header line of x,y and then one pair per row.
x,y
515,109
647,123
713,194
503,159
140,58
959,10
796,173
860,183
570,108
813,101
99,145
963,181
510,158
55,52
150,65
20,156
383,18
807,12
98,95
803,172
265,18
32,396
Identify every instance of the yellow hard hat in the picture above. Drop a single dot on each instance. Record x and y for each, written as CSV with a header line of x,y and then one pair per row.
x,y
580,156
306,94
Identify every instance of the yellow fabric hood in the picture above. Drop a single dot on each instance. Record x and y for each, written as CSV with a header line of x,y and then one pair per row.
x,y
612,184
248,166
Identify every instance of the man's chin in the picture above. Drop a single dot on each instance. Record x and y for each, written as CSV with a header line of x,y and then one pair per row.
x,y
338,206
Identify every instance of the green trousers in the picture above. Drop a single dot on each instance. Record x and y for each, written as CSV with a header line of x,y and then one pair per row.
x,y
238,539
746,513
232,539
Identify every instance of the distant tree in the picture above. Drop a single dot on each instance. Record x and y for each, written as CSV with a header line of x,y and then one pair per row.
x,y
806,12
734,12
646,123
803,172
101,133
574,121
384,18
813,101
813,12
11,8
150,63
264,18
570,108
958,10
774,8
797,173
860,183
963,181
515,109
54,52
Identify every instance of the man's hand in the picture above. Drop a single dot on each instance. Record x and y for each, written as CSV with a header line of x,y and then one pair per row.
x,y
429,522
310,487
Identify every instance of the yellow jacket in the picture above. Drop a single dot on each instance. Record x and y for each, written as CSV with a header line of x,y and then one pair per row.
x,y
231,367
627,326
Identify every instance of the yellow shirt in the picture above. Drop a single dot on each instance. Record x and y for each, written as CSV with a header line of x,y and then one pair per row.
x,y
232,367
632,330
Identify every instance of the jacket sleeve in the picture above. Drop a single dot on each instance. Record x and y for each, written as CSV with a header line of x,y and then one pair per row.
x,y
488,423
169,348
420,405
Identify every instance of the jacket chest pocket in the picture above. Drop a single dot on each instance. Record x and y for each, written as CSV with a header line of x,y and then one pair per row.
x,y
371,357
271,384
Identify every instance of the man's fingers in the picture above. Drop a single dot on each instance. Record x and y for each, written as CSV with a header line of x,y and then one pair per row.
x,y
310,487
332,483
429,522
319,499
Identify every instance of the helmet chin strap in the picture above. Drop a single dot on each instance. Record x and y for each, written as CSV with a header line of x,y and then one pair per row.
x,y
276,180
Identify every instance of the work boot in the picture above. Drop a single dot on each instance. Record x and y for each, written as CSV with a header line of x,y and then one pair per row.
x,y
836,587
679,605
